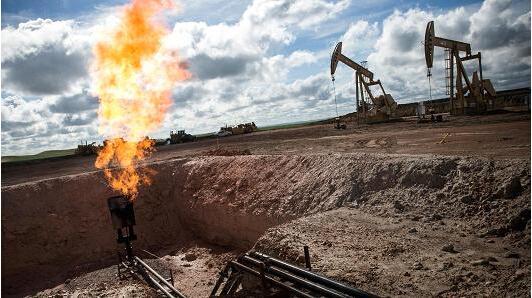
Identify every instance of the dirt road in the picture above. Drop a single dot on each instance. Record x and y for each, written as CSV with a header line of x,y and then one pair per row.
x,y
496,136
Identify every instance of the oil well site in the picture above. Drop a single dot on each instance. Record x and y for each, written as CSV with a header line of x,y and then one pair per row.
x,y
391,198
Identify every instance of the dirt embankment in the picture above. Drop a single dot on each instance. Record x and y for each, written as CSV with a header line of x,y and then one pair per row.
x,y
60,227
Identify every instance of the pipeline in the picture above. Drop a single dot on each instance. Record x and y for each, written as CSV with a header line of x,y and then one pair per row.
x,y
277,275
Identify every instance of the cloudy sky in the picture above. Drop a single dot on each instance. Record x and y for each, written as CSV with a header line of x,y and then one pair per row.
x,y
262,61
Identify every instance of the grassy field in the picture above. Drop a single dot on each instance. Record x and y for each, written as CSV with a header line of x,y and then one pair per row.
x,y
44,154
289,125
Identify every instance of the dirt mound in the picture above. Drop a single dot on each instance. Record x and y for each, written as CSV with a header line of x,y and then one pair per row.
x,y
219,151
286,187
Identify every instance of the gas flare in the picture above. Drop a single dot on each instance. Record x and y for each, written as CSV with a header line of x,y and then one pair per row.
x,y
133,76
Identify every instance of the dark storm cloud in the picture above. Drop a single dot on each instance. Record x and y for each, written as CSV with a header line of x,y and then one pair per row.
x,y
313,88
499,25
205,67
12,125
74,104
505,34
51,70
79,119
405,41
183,94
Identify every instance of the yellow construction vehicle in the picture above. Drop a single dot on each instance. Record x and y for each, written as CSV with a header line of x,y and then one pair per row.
x,y
87,149
180,137
369,107
478,94
237,129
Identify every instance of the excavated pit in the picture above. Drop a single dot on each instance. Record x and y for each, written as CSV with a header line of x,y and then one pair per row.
x,y
59,228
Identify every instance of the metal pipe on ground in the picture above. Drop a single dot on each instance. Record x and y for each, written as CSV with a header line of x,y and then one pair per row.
x,y
162,279
311,275
270,280
296,279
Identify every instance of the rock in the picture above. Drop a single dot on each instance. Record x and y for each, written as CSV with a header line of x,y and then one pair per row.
x,y
407,273
513,188
453,288
190,257
415,218
466,199
512,255
398,206
448,248
300,259
446,265
519,221
520,273
490,241
417,266
499,232
67,281
492,259
412,230
481,262
436,217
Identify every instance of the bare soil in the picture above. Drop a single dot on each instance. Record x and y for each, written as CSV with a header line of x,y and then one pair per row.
x,y
379,216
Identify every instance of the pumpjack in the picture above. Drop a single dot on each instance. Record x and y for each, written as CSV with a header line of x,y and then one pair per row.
x,y
477,96
381,108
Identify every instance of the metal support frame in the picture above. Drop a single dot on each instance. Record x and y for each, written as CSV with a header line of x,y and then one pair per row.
x,y
123,218
274,273
357,98
363,79
455,47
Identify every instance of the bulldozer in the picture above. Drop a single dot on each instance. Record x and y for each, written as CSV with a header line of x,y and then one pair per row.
x,y
180,137
237,129
87,149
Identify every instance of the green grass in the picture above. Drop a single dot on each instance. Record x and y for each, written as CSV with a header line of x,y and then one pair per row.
x,y
289,125
42,155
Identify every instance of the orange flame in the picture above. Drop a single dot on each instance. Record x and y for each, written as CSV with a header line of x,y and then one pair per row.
x,y
133,77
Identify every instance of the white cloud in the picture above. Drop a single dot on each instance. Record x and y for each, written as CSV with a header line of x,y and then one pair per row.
x,y
398,57
43,57
243,70
359,39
